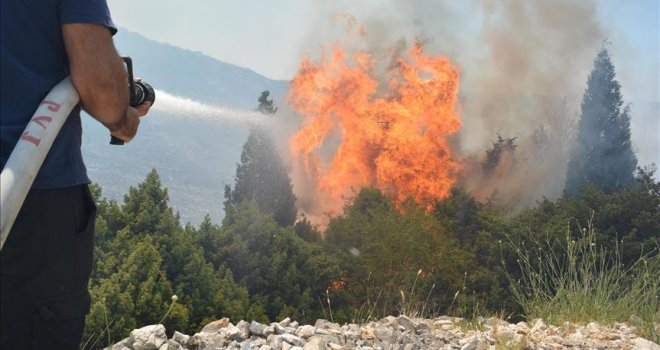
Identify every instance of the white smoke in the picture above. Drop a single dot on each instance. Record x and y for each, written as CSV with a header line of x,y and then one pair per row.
x,y
524,66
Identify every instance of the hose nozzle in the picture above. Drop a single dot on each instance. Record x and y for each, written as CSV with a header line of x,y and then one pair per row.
x,y
140,92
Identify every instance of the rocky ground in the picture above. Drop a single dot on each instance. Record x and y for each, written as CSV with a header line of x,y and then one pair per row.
x,y
396,333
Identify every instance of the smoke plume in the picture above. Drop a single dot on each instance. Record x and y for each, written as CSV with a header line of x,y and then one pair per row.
x,y
528,84
523,67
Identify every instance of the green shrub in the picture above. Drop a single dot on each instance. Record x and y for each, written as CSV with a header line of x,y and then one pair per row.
x,y
585,281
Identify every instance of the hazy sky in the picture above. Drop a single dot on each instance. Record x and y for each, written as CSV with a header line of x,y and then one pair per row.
x,y
270,37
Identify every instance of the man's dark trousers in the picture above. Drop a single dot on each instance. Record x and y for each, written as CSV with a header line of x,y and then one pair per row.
x,y
45,267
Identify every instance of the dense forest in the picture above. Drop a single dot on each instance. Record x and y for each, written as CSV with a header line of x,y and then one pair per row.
x,y
376,258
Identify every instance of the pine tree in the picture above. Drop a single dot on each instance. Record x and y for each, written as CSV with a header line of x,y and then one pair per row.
x,y
501,148
145,256
262,178
146,205
138,292
604,155
280,270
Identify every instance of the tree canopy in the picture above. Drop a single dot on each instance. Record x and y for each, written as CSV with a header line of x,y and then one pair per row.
x,y
262,178
603,154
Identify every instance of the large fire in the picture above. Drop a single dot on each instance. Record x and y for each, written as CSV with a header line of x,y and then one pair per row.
x,y
359,130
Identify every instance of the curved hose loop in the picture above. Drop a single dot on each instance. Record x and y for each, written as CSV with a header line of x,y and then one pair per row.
x,y
30,152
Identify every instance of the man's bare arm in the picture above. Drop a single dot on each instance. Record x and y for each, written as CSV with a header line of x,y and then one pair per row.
x,y
99,76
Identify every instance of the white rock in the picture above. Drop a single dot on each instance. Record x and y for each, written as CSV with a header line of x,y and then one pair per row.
x,y
643,344
446,327
258,341
366,333
442,322
147,338
120,345
257,328
422,327
244,327
522,328
539,326
171,345
571,342
180,338
208,341
323,331
285,322
315,343
384,333
269,330
234,333
592,327
470,343
387,321
325,324
555,339
215,326
281,330
275,341
405,322
305,331
293,340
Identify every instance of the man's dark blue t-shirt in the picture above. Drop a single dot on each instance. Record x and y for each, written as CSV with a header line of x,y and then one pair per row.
x,y
34,60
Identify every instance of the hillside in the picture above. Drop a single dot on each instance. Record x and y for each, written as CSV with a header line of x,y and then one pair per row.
x,y
194,157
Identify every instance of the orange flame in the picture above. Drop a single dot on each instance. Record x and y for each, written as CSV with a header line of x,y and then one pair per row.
x,y
359,133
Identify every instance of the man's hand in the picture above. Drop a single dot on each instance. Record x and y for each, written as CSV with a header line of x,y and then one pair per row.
x,y
99,76
142,109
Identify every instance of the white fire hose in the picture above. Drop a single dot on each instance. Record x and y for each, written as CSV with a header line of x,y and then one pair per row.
x,y
27,157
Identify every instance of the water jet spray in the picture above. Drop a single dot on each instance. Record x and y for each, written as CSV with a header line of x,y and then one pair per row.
x,y
185,107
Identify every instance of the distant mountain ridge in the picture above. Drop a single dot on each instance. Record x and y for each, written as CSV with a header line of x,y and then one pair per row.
x,y
194,157
194,74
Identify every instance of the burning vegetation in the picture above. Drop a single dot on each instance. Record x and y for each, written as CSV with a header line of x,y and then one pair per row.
x,y
378,112
391,132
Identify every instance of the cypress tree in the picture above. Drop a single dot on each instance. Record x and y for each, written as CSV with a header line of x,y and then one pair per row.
x,y
262,178
603,155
